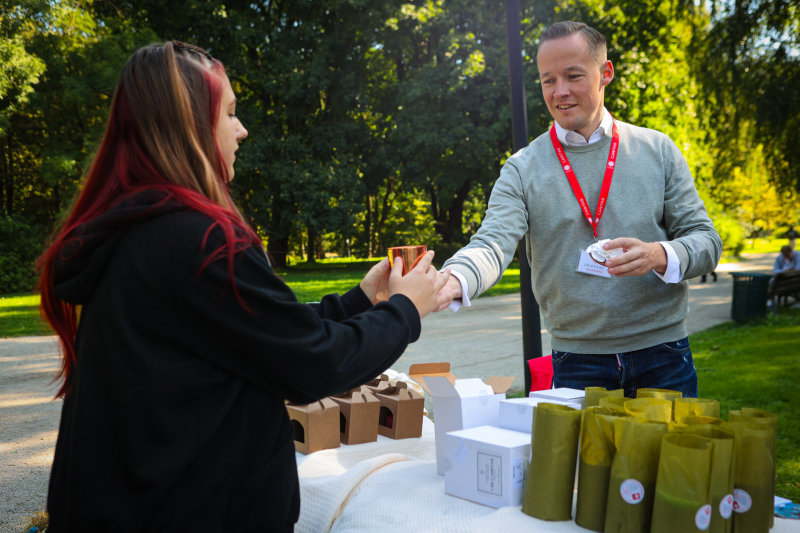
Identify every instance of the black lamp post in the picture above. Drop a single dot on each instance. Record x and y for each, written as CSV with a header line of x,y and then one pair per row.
x,y
531,326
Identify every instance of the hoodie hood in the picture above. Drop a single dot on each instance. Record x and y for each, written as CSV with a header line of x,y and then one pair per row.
x,y
86,253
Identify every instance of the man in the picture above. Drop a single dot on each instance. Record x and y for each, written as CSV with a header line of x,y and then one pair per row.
x,y
787,260
620,324
791,234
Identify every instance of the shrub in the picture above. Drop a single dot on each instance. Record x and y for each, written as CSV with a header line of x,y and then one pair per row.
x,y
20,245
731,233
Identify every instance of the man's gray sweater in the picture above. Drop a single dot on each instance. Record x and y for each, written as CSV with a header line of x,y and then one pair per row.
x,y
652,198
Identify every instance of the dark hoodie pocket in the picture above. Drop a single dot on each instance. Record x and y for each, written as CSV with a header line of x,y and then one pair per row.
x,y
270,499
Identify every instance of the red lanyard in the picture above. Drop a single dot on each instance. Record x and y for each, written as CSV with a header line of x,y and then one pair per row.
x,y
573,181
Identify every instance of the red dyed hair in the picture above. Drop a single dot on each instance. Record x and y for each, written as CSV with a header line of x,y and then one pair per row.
x,y
159,137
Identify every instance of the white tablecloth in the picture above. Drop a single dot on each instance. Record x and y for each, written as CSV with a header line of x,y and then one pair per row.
x,y
392,485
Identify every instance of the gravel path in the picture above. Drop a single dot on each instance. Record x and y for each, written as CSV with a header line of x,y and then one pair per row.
x,y
28,426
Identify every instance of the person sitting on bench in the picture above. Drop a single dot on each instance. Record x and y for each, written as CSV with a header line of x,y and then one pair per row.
x,y
787,260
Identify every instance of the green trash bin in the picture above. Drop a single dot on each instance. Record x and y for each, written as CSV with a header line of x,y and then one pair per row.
x,y
749,295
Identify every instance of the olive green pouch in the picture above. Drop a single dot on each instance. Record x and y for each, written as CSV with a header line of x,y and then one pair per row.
x,y
664,394
754,483
702,420
652,409
683,487
550,480
614,403
593,395
631,487
722,470
684,407
594,469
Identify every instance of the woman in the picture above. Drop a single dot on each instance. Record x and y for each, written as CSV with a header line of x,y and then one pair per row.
x,y
175,376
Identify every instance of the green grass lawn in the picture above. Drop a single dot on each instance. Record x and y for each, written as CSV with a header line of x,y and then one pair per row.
x,y
752,365
760,246
19,316
758,365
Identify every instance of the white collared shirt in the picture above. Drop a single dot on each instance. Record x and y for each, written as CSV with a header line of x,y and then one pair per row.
x,y
573,138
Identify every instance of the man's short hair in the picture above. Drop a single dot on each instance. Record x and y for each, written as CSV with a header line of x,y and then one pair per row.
x,y
594,39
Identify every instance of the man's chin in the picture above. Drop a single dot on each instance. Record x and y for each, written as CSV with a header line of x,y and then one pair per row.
x,y
569,124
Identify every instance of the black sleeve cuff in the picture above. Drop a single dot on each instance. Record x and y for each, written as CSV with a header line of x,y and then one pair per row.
x,y
412,315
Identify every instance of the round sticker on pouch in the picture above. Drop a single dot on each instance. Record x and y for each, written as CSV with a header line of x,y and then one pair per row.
x,y
702,518
726,506
632,491
742,502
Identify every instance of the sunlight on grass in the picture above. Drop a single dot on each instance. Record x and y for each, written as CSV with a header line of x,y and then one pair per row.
x,y
508,284
19,316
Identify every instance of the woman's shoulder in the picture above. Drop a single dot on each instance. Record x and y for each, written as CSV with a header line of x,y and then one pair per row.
x,y
175,236
176,225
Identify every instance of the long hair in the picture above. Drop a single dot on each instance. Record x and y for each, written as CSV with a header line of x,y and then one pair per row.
x,y
159,137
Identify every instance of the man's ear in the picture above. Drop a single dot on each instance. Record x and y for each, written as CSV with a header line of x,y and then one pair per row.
x,y
606,73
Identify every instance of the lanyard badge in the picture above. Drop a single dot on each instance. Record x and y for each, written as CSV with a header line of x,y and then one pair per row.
x,y
573,180
586,263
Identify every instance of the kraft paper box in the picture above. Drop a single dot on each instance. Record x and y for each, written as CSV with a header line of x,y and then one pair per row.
x,y
517,413
316,425
378,383
560,395
487,465
400,412
358,420
458,403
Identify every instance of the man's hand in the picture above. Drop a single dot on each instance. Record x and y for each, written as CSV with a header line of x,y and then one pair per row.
x,y
638,258
422,284
451,291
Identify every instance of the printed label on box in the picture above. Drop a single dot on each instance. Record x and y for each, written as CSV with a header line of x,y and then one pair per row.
x,y
490,473
518,470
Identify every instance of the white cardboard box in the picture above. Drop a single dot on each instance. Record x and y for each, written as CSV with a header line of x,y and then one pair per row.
x,y
487,465
517,413
459,403
561,394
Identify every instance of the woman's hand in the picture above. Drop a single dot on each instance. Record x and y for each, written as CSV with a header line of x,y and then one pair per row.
x,y
421,284
376,282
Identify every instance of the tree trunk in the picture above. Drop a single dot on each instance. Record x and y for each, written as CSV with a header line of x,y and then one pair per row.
x,y
7,182
278,249
449,222
311,249
278,244
384,212
368,226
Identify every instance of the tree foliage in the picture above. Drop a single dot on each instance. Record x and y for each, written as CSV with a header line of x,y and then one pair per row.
x,y
748,62
379,123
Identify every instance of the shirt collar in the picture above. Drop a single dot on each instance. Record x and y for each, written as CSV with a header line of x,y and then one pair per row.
x,y
572,138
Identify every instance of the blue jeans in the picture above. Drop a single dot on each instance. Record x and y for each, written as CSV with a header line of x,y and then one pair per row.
x,y
664,366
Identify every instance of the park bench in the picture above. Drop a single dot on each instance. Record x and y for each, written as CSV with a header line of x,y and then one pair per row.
x,y
782,286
